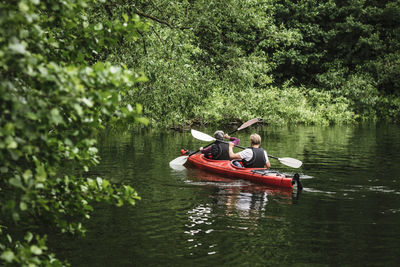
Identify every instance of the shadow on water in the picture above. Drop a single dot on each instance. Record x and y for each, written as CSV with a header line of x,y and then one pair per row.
x,y
347,214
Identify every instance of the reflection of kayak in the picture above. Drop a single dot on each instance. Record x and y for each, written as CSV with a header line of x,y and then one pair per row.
x,y
259,175
199,176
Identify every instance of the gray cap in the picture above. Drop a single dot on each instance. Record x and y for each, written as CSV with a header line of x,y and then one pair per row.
x,y
219,135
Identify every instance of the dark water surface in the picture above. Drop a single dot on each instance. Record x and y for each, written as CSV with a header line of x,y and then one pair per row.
x,y
347,214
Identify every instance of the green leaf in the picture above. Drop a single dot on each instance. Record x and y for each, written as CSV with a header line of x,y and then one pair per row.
x,y
99,182
9,126
126,17
23,6
32,116
78,109
87,101
8,256
139,108
23,206
142,120
41,174
15,154
27,175
55,116
28,237
98,27
68,142
18,48
142,79
12,145
43,70
99,66
93,150
16,181
36,250
105,183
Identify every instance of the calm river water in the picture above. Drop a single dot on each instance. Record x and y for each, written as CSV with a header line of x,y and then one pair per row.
x,y
347,214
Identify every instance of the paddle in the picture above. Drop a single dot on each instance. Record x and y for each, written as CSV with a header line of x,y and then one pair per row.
x,y
294,163
182,159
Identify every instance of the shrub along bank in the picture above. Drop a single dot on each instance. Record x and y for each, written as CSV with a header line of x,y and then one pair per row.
x,y
311,62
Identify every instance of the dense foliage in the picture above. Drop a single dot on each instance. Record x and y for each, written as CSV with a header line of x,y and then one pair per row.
x,y
56,95
312,62
70,68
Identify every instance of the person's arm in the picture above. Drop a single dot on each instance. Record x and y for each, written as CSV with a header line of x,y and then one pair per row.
x,y
231,154
206,151
234,140
267,164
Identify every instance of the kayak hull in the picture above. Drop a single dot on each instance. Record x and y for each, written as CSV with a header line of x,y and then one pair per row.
x,y
226,168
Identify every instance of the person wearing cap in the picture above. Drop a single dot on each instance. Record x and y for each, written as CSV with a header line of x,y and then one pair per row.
x,y
220,149
252,157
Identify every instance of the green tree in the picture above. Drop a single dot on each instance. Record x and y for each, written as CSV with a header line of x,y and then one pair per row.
x,y
56,94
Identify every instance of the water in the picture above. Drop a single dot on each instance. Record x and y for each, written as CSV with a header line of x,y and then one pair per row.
x,y
347,214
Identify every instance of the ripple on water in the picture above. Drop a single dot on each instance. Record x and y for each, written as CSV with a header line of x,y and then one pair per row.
x,y
238,183
313,190
199,225
376,188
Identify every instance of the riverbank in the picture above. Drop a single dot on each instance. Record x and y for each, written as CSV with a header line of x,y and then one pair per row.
x,y
274,106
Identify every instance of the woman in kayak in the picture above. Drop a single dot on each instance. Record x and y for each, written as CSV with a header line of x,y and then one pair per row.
x,y
253,157
220,149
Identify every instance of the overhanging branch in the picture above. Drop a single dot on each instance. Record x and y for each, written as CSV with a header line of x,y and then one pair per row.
x,y
160,20
153,18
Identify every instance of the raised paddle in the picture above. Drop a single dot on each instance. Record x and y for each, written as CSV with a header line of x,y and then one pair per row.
x,y
182,159
294,163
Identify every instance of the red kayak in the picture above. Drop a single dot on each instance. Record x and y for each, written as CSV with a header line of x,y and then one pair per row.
x,y
259,175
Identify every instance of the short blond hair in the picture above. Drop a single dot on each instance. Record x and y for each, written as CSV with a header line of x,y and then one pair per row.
x,y
255,139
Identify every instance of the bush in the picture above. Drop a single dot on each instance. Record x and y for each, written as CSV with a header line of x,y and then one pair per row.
x,y
53,103
277,106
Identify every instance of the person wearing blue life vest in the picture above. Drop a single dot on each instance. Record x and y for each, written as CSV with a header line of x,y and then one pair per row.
x,y
219,150
252,157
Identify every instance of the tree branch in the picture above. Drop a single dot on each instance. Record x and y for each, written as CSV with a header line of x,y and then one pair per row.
x,y
153,18
161,21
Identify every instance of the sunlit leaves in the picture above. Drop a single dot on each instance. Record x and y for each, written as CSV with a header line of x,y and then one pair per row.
x,y
347,50
56,94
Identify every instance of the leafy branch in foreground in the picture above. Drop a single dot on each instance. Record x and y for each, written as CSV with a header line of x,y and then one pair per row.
x,y
55,97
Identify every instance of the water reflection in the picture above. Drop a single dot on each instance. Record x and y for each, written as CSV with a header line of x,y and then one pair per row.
x,y
239,203
347,214
239,197
234,188
199,221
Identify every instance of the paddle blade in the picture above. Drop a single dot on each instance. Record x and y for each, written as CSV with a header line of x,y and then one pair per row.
x,y
202,136
178,168
247,124
179,161
294,163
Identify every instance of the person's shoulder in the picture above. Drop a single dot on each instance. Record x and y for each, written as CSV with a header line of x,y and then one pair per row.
x,y
247,151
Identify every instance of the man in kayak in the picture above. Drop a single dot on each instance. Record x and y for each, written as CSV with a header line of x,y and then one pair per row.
x,y
253,157
219,150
